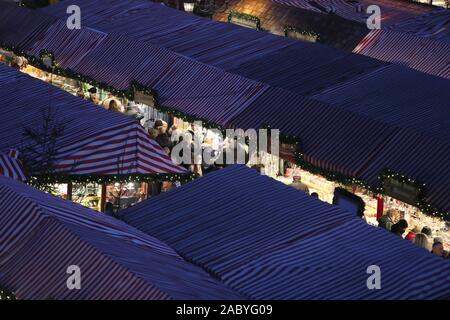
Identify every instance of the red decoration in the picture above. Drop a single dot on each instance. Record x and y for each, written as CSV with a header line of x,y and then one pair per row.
x,y
380,206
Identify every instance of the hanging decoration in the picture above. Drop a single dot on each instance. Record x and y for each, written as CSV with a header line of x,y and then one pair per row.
x,y
6,295
307,33
109,179
246,17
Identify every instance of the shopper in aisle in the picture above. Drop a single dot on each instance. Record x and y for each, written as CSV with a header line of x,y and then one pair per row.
x,y
399,228
297,184
427,231
163,137
421,240
386,221
438,248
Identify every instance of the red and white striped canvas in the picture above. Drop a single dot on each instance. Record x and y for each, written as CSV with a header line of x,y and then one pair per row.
x,y
121,149
10,166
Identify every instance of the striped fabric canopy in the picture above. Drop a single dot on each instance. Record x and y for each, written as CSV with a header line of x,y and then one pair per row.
x,y
94,142
41,236
228,218
270,241
11,167
432,25
334,265
355,10
420,53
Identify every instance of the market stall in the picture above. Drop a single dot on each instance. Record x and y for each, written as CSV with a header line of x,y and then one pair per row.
x,y
53,238
88,149
272,241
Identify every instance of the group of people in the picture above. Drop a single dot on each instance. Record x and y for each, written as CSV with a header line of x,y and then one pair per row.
x,y
111,103
201,142
420,237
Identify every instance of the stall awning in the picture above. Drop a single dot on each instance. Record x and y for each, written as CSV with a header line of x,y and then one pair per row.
x,y
41,236
335,266
392,11
270,241
93,141
417,52
11,166
230,217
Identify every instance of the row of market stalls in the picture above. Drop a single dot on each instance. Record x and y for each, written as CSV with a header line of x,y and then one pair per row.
x,y
254,238
421,43
392,127
81,151
266,240
46,242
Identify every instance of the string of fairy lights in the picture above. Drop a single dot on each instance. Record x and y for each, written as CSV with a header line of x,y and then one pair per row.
x,y
308,33
290,139
6,295
244,16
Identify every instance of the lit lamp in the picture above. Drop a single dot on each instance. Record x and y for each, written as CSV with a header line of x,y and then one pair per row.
x,y
189,6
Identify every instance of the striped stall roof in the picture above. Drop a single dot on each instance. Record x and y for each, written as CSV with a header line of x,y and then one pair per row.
x,y
417,52
230,217
434,25
181,83
267,240
334,265
260,56
414,155
11,167
355,10
94,141
42,235
333,139
398,97
21,27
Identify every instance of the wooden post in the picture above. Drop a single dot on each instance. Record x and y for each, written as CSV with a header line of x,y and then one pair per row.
x,y
69,191
103,198
146,190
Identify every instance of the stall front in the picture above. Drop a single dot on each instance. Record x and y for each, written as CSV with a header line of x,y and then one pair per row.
x,y
270,241
98,155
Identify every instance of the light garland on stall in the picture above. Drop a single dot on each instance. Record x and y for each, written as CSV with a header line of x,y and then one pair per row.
x,y
109,179
6,295
136,86
288,29
245,16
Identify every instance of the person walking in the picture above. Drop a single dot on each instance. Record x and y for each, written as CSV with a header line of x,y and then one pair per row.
x,y
399,228
421,240
297,184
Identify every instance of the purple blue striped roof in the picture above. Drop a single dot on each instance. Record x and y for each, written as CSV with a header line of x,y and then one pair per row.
x,y
355,10
41,235
267,240
417,52
432,25
228,218
259,56
333,266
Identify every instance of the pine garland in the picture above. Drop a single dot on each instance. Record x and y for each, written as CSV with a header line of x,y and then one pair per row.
x,y
6,295
244,16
